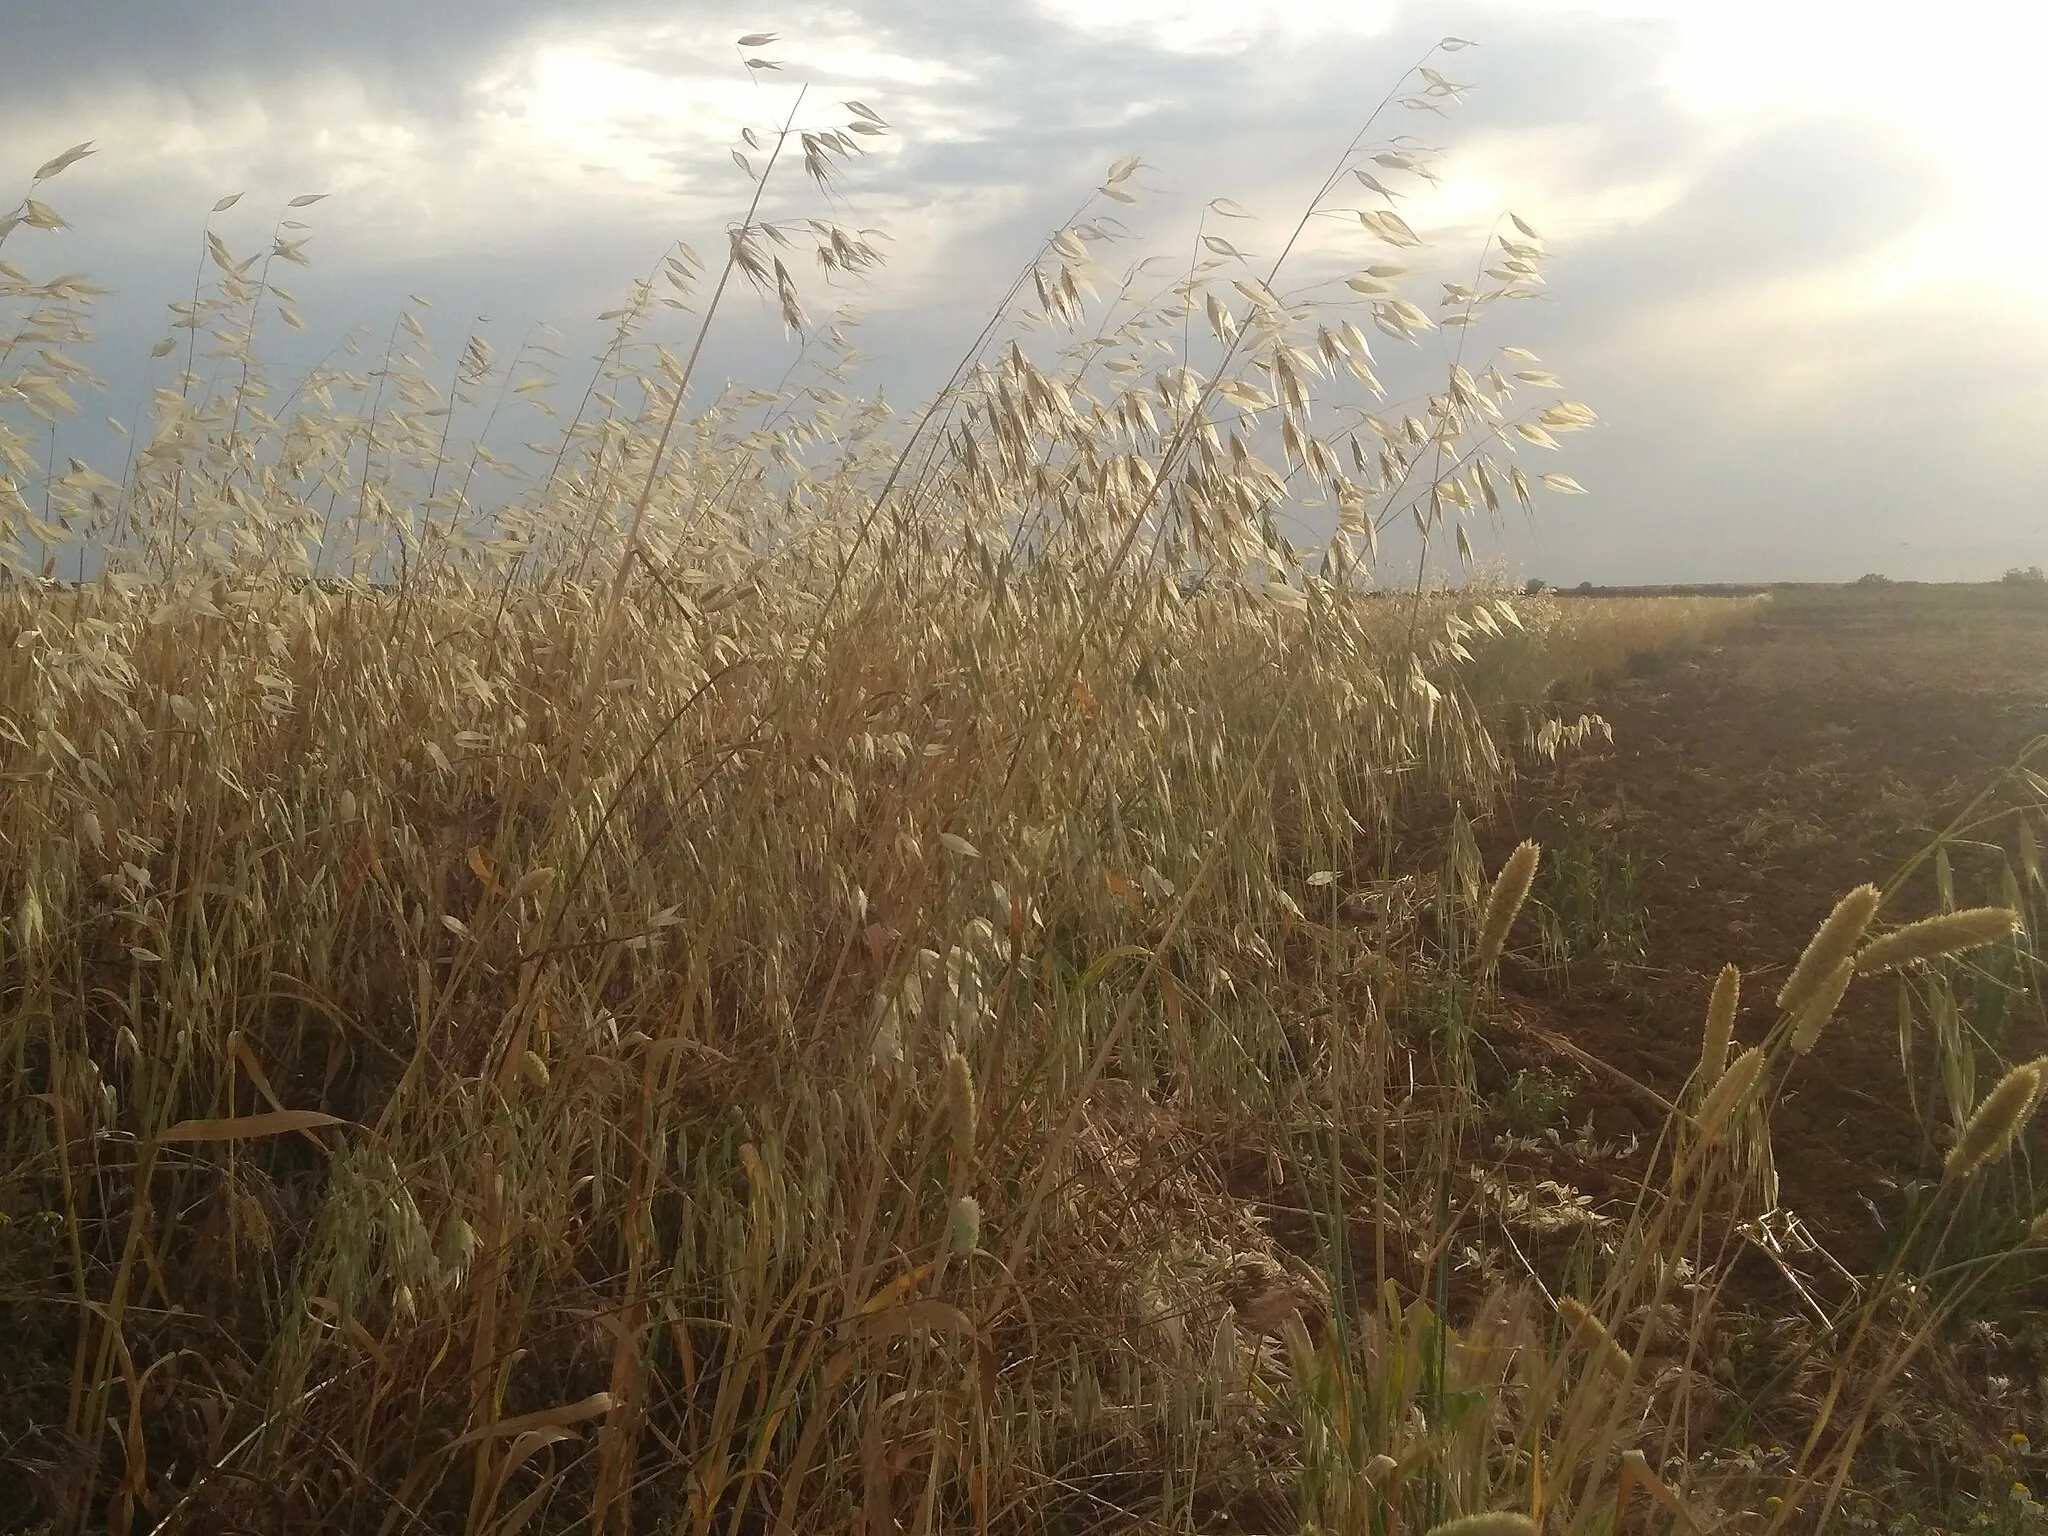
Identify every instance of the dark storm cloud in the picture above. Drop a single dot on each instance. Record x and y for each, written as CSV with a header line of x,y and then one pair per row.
x,y
201,45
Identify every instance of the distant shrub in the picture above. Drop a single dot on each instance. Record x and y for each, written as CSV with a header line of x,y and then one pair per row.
x,y
1534,585
2031,574
1873,579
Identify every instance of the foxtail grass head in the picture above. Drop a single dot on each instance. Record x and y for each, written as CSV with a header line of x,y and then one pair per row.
x,y
1500,1522
1934,938
1720,1029
1996,1121
961,1113
1832,943
1732,1089
963,1226
1503,902
1820,1007
1591,1335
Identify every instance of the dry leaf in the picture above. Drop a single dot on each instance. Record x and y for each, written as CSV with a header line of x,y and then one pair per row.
x,y
927,1312
276,1122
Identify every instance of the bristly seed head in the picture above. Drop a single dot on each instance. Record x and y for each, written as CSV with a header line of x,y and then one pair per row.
x,y
1592,1335
1932,938
960,1112
1996,1121
1720,1024
1500,1522
1813,1018
963,1226
1832,943
1733,1087
1503,902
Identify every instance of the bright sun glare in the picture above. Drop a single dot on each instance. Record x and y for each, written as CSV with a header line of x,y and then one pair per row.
x,y
1750,65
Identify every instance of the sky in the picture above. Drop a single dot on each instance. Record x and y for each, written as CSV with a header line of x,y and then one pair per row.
x,y
1792,261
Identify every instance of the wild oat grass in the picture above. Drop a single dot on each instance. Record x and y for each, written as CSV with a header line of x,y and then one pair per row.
x,y
725,988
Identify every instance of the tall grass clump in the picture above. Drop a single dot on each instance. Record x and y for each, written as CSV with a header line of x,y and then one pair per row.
x,y
713,990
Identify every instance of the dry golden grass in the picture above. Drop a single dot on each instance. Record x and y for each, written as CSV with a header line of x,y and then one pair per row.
x,y
719,993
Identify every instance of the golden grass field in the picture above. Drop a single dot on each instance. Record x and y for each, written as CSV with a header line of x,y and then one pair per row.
x,y
792,976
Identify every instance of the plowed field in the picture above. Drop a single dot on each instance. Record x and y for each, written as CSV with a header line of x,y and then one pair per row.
x,y
1747,787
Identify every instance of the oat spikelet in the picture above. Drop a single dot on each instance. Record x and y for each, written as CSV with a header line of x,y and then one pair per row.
x,y
1504,901
2037,1229
1730,1091
1592,1335
1832,943
1501,1522
1720,1024
1813,1018
1931,938
1996,1121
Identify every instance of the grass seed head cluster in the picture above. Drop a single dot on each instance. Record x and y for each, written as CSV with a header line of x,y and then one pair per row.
x,y
710,991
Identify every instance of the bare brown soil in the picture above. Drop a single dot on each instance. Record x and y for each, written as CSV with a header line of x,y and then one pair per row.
x,y
1819,746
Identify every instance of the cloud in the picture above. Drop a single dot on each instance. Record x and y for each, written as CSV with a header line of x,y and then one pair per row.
x,y
1792,279
405,51
1220,26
